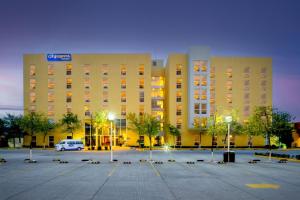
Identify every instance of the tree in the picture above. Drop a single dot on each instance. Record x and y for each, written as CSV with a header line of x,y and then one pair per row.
x,y
46,127
137,124
152,128
101,122
174,131
30,123
2,134
12,127
201,127
70,122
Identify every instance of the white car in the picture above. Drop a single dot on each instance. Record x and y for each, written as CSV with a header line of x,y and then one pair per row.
x,y
69,144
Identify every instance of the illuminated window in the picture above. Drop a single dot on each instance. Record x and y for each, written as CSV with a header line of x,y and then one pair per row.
x,y
69,108
32,70
69,97
203,108
50,96
86,70
123,110
142,96
87,111
123,83
196,68
105,83
212,100
196,95
157,93
197,81
178,110
229,98
51,83
32,108
178,83
178,123
203,95
141,83
141,110
123,96
178,69
32,97
178,96
203,81
50,70
87,83
105,70
69,83
196,108
204,68
105,96
87,96
141,69
178,140
50,110
69,69
32,84
123,70
229,72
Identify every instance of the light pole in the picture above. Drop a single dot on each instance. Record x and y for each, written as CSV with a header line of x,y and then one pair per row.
x,y
111,118
228,119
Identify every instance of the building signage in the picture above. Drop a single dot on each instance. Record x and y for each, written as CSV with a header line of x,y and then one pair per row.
x,y
59,57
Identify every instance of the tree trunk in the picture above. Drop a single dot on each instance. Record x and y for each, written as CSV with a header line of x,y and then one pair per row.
x,y
200,139
44,141
150,147
174,141
30,147
270,148
14,139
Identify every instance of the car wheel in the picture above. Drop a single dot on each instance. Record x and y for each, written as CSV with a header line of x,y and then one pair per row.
x,y
78,148
62,149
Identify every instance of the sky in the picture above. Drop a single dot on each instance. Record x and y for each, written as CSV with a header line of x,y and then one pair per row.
x,y
263,28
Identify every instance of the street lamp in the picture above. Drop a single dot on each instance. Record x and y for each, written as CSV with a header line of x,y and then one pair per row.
x,y
228,120
111,118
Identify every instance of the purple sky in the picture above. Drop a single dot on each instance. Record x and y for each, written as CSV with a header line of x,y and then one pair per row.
x,y
232,27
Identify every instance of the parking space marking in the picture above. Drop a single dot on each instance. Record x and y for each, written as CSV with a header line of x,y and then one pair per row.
x,y
263,186
154,169
112,171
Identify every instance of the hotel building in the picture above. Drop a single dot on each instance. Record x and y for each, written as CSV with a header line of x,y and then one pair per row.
x,y
184,92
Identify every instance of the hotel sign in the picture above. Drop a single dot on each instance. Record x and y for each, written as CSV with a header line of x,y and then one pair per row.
x,y
59,57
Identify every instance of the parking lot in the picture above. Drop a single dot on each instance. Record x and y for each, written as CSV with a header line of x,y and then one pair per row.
x,y
76,179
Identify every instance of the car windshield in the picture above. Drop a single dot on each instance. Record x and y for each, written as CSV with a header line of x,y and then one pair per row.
x,y
62,143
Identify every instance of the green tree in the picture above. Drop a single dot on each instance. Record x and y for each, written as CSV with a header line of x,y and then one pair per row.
x,y
2,130
30,123
46,127
152,128
174,131
137,124
12,127
70,122
101,123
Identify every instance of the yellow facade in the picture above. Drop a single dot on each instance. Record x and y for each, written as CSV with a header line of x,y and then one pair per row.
x,y
123,83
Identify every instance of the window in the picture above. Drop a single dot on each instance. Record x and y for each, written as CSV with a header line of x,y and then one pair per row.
x,y
229,98
178,140
50,110
123,96
50,70
105,96
203,95
246,82
247,110
178,109
229,72
203,81
197,81
141,83
105,83
246,96
229,85
204,68
69,97
69,108
105,70
50,96
123,83
197,108
32,108
32,69
196,95
178,69
32,97
51,83
141,110
178,96
87,96
178,123
123,110
86,70
69,69
32,83
196,68
203,108
141,69
69,83
178,83
142,97
123,70
87,83
263,83
87,111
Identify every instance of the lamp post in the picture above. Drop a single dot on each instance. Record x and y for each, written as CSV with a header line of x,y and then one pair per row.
x,y
228,119
111,118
